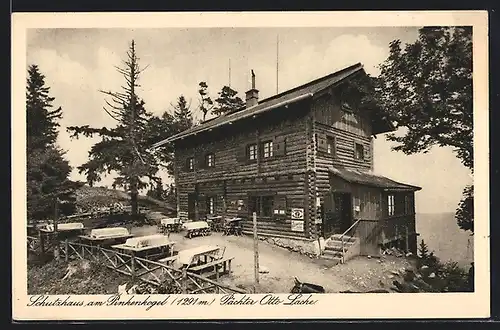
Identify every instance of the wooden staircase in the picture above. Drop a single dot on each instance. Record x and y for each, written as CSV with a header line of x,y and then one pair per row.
x,y
333,247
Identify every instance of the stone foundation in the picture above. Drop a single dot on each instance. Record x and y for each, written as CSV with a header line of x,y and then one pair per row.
x,y
310,248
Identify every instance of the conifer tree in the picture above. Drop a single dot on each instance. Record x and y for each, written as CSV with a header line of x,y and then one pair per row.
x,y
124,149
183,118
47,171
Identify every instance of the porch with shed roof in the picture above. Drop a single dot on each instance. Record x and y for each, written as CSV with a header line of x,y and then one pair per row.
x,y
377,210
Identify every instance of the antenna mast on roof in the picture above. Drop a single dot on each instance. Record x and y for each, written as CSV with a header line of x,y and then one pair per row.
x,y
277,62
229,73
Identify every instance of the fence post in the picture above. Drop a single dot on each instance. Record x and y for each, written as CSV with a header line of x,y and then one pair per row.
x,y
132,266
406,240
66,257
255,252
184,280
56,231
83,252
42,243
343,249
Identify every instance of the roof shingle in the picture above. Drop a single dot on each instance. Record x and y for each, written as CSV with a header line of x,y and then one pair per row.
x,y
370,179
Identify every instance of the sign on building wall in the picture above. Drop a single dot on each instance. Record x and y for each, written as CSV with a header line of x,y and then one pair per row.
x,y
297,225
298,214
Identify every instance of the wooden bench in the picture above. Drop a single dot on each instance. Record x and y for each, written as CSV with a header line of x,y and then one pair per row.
x,y
215,265
168,261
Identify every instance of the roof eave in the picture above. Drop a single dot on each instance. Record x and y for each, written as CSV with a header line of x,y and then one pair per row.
x,y
401,187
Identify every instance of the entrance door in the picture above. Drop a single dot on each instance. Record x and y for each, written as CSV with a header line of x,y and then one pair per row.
x,y
344,202
191,206
338,213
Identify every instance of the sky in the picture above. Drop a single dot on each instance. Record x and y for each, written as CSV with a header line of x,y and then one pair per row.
x,y
78,63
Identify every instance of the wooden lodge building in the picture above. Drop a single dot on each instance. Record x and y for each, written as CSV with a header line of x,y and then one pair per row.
x,y
302,160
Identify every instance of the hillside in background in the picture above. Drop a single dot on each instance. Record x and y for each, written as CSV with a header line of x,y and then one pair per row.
x,y
92,198
442,234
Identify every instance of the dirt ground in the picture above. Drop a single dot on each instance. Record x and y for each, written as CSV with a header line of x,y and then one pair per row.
x,y
358,274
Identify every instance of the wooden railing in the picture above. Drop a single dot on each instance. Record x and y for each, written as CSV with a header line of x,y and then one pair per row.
x,y
396,227
164,278
372,232
345,233
33,244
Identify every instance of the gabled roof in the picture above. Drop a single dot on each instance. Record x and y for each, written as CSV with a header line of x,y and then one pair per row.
x,y
285,98
370,179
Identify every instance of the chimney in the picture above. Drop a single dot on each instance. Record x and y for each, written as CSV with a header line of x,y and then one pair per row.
x,y
252,96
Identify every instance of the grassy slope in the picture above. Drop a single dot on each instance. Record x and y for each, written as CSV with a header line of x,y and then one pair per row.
x,y
89,278
94,197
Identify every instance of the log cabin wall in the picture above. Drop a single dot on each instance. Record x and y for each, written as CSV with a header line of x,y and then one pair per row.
x,y
342,129
337,132
235,177
286,192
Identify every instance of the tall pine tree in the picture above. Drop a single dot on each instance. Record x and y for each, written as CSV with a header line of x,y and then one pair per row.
x,y
47,171
124,149
183,118
42,120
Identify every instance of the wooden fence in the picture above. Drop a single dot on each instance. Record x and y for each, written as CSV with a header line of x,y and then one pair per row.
x,y
166,279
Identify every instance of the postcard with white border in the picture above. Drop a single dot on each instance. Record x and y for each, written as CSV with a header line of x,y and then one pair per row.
x,y
258,165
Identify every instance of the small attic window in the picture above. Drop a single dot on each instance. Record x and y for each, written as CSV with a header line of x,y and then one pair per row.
x,y
359,152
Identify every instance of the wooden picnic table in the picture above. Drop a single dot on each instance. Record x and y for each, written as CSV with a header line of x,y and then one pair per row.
x,y
199,255
232,226
105,241
205,258
146,246
196,228
168,225
64,230
215,222
107,236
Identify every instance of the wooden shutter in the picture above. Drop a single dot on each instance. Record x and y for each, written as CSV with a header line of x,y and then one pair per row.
x,y
241,153
202,206
279,146
200,161
321,140
366,151
186,164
